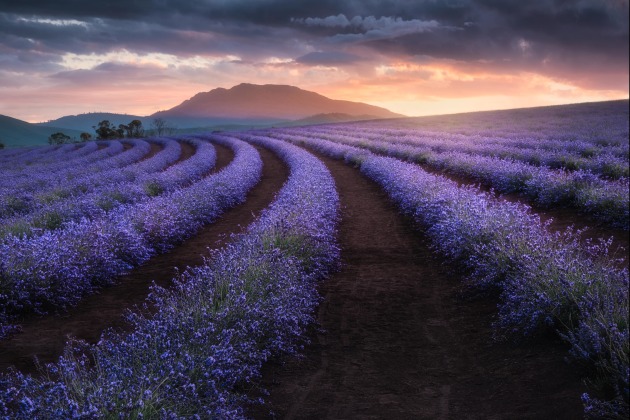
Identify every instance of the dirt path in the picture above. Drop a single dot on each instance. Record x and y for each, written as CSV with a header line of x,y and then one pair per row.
x,y
45,337
400,342
187,151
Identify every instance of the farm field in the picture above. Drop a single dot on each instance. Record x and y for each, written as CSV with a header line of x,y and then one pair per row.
x,y
435,267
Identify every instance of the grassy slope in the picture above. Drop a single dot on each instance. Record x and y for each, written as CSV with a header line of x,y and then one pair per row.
x,y
18,133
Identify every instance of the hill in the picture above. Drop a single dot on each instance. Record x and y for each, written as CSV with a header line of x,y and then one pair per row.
x,y
240,107
18,133
86,122
267,102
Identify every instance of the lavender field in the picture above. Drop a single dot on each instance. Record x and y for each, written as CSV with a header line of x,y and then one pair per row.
x,y
529,209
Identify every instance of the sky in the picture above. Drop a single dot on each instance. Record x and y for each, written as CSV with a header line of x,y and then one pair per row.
x,y
415,57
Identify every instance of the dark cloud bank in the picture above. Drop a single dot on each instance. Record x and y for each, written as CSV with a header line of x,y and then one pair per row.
x,y
570,40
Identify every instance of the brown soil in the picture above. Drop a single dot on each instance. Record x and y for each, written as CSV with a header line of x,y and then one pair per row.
x,y
44,337
155,148
187,151
400,342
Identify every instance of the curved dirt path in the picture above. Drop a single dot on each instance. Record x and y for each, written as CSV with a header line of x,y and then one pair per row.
x,y
45,336
187,152
400,342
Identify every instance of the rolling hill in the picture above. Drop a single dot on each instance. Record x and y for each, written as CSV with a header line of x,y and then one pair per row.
x,y
18,133
241,107
86,122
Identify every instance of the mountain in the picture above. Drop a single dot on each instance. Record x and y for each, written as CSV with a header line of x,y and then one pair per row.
x,y
86,122
240,107
267,102
15,133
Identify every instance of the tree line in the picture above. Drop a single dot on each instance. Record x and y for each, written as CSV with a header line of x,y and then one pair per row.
x,y
105,130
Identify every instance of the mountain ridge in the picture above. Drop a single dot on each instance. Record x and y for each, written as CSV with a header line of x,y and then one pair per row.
x,y
245,105
268,101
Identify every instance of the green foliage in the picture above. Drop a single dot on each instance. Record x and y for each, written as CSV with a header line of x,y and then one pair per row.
x,y
19,229
54,195
58,138
105,130
153,188
49,221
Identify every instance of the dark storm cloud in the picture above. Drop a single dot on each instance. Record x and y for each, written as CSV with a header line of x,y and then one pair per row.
x,y
19,34
587,25
554,37
268,12
566,23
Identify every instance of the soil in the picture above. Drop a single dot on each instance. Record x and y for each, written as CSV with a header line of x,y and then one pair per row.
x,y
187,151
398,339
44,337
155,148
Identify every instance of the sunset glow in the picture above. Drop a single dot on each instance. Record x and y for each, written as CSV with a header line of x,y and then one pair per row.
x,y
415,59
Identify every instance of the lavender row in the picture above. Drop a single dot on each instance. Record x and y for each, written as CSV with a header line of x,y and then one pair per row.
x,y
19,158
37,172
33,169
15,159
51,188
134,184
9,155
89,196
547,281
599,160
64,151
608,201
31,178
48,154
580,142
602,124
213,331
58,267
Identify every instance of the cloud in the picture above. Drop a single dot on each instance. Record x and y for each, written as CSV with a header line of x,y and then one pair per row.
x,y
329,58
369,27
331,21
183,46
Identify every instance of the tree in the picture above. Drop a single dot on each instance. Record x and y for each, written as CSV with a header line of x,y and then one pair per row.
x,y
1,145
122,130
106,131
58,138
160,127
85,137
135,129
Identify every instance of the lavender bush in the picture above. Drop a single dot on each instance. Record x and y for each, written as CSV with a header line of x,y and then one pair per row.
x,y
605,161
33,185
546,280
607,200
132,185
210,334
57,268
30,176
